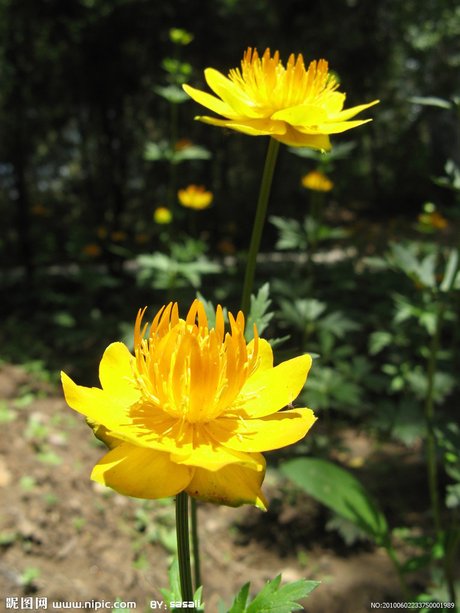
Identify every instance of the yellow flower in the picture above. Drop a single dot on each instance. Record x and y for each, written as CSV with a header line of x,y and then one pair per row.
x,y
195,197
162,215
141,238
92,250
297,106
433,220
317,181
118,236
102,232
39,210
192,410
183,143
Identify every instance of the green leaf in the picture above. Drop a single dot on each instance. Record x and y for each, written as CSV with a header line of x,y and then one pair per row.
x,y
272,598
292,235
258,312
431,101
338,324
378,340
349,532
173,594
193,152
155,152
453,496
239,604
171,93
340,491
451,272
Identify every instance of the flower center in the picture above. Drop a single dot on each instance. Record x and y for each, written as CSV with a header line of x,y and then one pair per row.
x,y
267,84
189,371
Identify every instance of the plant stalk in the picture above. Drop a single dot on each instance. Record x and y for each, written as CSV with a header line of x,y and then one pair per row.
x,y
431,450
195,543
397,565
429,423
257,229
183,546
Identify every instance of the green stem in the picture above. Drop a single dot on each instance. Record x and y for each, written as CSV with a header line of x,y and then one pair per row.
x,y
183,546
402,580
195,543
431,451
172,187
257,229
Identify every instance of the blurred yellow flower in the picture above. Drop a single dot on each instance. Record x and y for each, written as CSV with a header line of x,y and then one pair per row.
x,y
141,238
162,215
39,210
195,197
102,232
193,409
182,143
93,250
226,246
297,106
317,181
433,220
118,236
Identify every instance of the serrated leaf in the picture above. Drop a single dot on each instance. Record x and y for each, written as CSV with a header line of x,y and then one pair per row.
x,y
275,599
258,312
239,604
340,491
173,593
379,340
292,235
408,425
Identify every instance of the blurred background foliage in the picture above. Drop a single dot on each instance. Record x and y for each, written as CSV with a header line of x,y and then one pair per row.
x,y
91,123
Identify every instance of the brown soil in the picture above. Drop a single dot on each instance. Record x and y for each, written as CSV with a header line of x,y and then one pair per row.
x,y
67,539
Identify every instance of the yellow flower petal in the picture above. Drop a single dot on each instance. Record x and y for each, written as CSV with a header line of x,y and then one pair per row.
x,y
201,450
303,114
210,102
103,434
341,126
142,473
233,486
231,95
253,127
116,372
295,138
270,432
94,403
351,112
265,355
271,390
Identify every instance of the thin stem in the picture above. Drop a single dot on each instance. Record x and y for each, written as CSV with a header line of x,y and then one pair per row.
x,y
195,543
431,450
183,546
429,423
257,229
402,580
